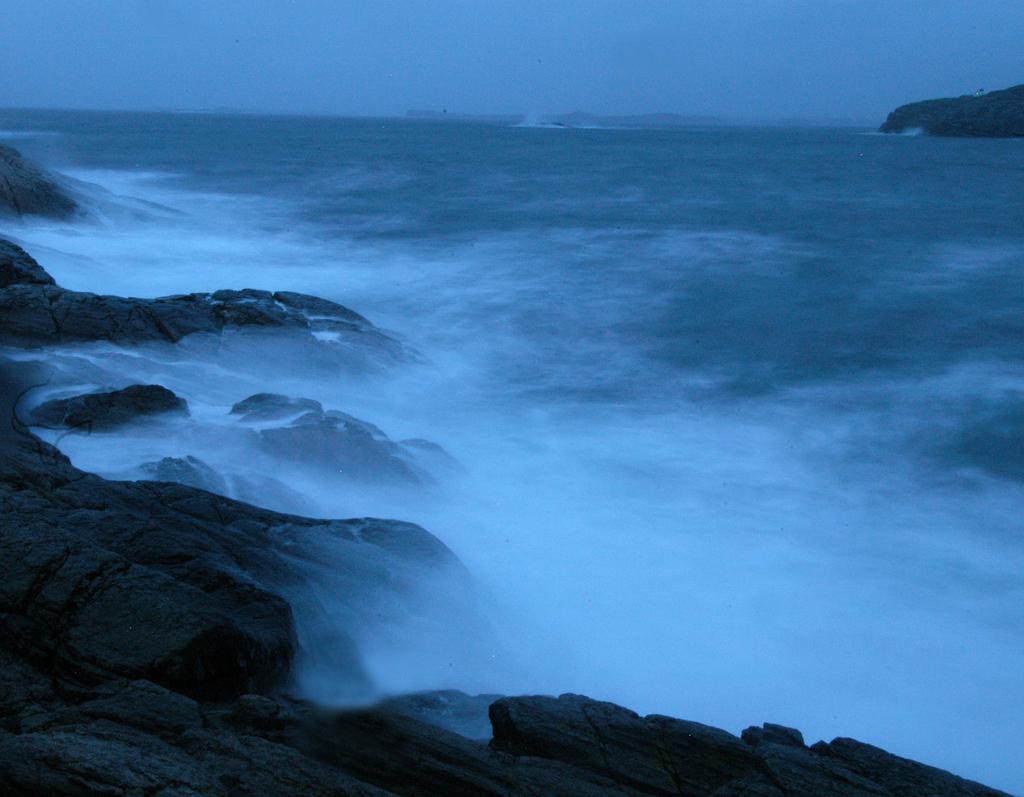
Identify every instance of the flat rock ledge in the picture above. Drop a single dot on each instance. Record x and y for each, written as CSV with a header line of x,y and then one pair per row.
x,y
35,311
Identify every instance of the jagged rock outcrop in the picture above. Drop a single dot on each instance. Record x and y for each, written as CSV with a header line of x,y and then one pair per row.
x,y
26,189
997,114
35,311
109,409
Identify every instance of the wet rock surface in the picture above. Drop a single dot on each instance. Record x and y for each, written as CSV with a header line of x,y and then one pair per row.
x,y
17,267
34,311
188,470
334,442
110,409
26,189
149,640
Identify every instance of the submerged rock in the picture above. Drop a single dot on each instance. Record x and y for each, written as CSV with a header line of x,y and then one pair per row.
x,y
330,441
26,189
109,410
273,406
190,471
455,711
997,114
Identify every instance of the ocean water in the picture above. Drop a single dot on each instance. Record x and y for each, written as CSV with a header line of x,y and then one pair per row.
x,y
739,412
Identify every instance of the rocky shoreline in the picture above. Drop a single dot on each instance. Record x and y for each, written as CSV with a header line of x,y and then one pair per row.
x,y
152,630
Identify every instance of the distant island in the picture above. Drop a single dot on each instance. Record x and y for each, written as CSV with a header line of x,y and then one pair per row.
x,y
996,114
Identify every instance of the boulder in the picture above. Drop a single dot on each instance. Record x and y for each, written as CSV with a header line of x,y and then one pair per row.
x,y
770,733
274,407
997,114
109,410
26,189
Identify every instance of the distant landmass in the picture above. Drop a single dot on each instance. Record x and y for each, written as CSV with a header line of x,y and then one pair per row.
x,y
996,114
647,121
574,119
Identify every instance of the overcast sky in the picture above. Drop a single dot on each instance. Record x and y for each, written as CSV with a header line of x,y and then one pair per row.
x,y
733,58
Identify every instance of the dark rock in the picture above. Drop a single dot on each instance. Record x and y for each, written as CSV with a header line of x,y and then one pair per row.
x,y
18,268
770,733
274,406
340,444
997,114
34,312
329,441
153,580
87,615
466,715
409,757
25,189
800,772
188,470
139,738
900,777
652,755
109,410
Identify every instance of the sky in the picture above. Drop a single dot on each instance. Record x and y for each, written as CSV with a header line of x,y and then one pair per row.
x,y
742,59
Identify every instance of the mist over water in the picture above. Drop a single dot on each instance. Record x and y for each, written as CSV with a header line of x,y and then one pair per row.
x,y
738,412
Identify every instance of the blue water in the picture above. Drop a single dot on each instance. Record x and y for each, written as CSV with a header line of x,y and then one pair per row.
x,y
741,411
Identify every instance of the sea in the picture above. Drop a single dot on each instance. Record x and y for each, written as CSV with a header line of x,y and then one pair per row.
x,y
738,412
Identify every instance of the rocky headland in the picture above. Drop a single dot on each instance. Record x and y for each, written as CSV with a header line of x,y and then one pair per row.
x,y
996,114
152,632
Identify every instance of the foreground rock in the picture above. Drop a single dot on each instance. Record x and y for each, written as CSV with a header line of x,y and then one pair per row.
x,y
106,579
148,632
109,410
998,114
35,311
25,189
665,756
